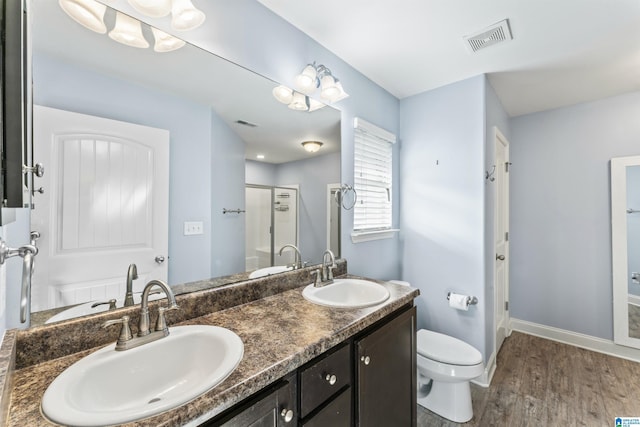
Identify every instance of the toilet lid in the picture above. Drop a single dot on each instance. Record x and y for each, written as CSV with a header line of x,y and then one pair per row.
x,y
446,349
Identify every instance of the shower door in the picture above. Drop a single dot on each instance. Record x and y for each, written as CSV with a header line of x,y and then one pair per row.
x,y
271,222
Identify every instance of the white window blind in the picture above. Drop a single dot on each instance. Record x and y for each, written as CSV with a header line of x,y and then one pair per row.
x,y
373,177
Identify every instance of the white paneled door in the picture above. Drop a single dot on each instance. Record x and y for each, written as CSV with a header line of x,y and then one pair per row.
x,y
104,206
501,230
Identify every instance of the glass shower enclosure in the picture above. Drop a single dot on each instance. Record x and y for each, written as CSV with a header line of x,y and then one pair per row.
x,y
271,222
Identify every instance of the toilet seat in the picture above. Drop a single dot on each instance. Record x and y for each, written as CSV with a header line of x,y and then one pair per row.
x,y
445,349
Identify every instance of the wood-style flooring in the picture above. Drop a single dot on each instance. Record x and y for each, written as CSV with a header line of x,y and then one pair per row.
x,y
539,382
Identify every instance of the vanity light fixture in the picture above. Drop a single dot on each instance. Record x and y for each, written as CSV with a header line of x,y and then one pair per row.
x,y
88,13
315,76
128,31
165,42
312,146
184,16
152,8
296,100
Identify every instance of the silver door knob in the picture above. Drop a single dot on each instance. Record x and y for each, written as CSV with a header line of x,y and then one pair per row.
x,y
500,257
159,259
287,414
365,359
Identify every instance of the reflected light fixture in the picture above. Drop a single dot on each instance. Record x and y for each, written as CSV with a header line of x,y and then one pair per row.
x,y
165,42
184,16
128,31
152,8
88,13
315,76
312,146
296,100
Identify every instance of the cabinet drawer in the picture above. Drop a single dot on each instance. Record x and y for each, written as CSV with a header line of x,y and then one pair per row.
x,y
335,414
316,380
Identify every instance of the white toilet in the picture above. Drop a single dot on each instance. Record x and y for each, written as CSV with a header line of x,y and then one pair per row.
x,y
445,367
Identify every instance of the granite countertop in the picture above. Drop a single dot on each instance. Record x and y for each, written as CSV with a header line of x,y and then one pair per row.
x,y
290,332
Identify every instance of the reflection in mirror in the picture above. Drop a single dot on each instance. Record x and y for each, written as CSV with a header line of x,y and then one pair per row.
x,y
625,214
103,110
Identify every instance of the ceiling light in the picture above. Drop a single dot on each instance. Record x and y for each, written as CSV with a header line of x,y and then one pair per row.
x,y
152,8
312,146
165,42
128,31
315,76
88,13
185,16
260,156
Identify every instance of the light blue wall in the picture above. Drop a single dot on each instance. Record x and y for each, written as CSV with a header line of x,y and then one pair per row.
x,y
442,205
227,191
560,212
190,125
260,173
249,34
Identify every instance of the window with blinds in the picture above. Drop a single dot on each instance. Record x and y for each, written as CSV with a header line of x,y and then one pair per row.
x,y
373,177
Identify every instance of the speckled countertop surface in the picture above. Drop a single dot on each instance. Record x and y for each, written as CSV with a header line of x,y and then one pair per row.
x,y
290,332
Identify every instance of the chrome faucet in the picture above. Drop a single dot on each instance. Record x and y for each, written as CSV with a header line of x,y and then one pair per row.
x,y
126,340
324,275
132,274
297,263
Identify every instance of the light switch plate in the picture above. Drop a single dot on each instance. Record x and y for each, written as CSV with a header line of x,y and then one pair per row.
x,y
192,228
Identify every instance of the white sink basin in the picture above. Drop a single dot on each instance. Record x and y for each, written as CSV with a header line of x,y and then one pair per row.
x,y
347,293
267,271
86,308
112,387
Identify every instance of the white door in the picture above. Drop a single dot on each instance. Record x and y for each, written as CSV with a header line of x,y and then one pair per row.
x,y
104,206
501,270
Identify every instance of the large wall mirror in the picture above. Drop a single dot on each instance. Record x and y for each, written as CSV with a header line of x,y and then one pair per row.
x,y
132,138
625,215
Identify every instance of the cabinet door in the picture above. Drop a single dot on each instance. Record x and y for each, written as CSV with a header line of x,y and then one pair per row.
x,y
275,407
386,374
336,414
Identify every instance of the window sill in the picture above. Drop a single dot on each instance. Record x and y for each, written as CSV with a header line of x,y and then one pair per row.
x,y
367,236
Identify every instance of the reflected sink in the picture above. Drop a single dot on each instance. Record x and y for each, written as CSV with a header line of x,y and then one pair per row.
x,y
347,293
112,387
267,271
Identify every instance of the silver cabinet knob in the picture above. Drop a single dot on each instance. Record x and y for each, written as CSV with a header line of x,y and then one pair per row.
x,y
500,257
159,259
287,414
331,379
365,359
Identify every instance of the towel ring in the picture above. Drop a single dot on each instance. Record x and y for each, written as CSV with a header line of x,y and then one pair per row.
x,y
341,194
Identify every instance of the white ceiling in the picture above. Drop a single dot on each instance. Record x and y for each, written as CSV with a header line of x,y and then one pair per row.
x,y
563,51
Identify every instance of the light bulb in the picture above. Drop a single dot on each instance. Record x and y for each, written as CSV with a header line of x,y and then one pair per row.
x,y
329,90
283,94
152,8
299,102
306,80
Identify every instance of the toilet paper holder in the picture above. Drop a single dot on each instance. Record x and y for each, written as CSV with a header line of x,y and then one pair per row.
x,y
470,300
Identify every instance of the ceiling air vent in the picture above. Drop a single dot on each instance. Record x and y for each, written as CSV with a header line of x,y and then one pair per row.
x,y
246,123
496,33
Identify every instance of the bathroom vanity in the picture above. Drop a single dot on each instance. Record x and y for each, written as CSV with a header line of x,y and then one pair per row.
x,y
303,364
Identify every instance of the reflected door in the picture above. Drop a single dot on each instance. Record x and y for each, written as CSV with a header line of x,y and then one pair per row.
x,y
104,206
258,227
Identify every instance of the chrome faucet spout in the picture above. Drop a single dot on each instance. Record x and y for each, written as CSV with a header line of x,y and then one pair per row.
x,y
327,268
297,263
143,328
132,274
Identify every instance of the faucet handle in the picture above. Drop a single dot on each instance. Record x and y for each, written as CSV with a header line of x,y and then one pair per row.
x,y
161,323
125,331
318,274
330,269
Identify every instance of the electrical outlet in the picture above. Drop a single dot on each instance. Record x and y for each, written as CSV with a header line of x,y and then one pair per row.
x,y
192,228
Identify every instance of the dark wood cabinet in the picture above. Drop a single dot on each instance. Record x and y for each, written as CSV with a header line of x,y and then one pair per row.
x,y
273,407
385,371
367,381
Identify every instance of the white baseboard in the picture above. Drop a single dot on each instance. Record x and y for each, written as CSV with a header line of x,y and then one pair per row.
x,y
587,342
484,380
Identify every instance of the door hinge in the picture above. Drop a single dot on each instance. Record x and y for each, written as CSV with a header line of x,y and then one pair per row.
x,y
506,236
506,166
506,306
